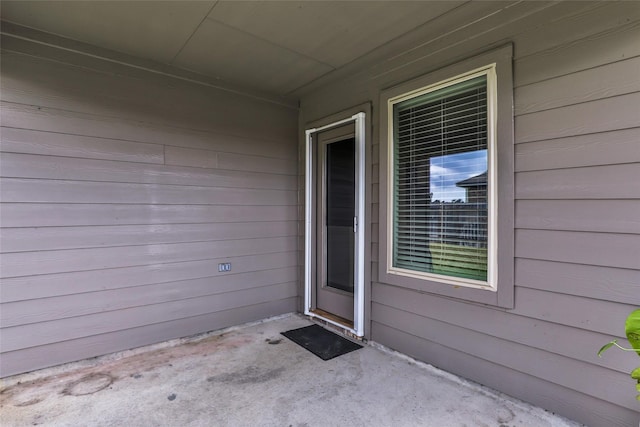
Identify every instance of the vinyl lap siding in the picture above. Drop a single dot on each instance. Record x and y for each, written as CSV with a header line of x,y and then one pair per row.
x,y
577,204
121,192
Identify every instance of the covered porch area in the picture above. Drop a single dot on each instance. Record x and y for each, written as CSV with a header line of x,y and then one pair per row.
x,y
454,180
250,375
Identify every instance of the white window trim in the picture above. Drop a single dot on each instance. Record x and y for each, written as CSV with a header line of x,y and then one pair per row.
x,y
492,238
504,295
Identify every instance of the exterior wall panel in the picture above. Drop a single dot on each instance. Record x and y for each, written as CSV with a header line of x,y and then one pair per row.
x,y
512,382
121,192
577,235
95,344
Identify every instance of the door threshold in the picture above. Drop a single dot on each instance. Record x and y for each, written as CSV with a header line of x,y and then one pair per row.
x,y
333,318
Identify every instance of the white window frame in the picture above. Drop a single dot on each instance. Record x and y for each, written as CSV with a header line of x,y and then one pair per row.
x,y
492,242
501,292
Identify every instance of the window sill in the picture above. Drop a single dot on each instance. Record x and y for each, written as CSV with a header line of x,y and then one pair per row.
x,y
483,295
446,280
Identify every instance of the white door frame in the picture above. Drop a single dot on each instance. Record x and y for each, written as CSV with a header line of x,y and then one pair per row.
x,y
358,226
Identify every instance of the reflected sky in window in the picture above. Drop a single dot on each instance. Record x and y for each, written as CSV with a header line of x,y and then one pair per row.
x,y
446,171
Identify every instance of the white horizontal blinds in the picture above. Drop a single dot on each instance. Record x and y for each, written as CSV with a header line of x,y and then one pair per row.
x,y
440,181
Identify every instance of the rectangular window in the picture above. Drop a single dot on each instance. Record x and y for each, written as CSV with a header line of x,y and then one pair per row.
x,y
447,181
441,189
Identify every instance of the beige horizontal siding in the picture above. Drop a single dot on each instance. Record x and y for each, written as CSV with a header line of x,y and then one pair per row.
x,y
596,182
62,214
30,335
91,345
577,201
67,191
65,168
577,247
600,42
550,367
613,113
54,238
15,140
590,281
148,101
17,264
591,50
612,216
551,330
614,79
80,123
616,147
68,306
51,285
120,196
600,412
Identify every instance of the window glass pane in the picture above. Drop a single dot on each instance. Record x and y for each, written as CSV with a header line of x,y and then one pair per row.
x,y
440,181
340,202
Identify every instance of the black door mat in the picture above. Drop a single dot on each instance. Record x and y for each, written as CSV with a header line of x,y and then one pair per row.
x,y
324,344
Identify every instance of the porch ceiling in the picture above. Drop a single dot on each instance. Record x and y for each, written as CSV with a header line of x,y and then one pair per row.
x,y
273,47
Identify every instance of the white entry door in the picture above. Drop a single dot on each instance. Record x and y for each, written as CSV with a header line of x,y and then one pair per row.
x,y
334,245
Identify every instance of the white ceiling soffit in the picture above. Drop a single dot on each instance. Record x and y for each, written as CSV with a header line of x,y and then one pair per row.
x,y
233,55
331,32
147,29
272,46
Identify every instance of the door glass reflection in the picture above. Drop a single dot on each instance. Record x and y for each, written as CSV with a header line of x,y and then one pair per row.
x,y
340,211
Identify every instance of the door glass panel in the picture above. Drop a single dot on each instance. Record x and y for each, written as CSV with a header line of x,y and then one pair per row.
x,y
340,210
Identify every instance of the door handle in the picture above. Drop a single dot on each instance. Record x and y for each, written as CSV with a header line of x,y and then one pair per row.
x,y
355,224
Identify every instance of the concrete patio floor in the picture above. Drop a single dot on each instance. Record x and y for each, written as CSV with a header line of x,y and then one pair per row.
x,y
252,376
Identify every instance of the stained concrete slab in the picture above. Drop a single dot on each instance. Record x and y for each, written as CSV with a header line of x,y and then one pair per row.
x,y
253,376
